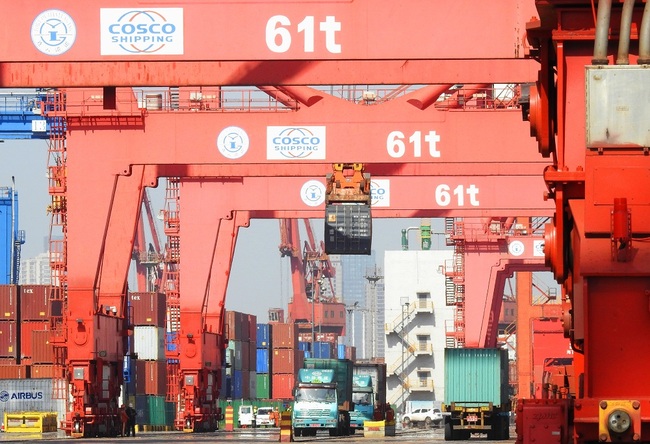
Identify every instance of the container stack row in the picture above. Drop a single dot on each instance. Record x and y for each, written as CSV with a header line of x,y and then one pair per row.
x,y
145,366
286,359
239,378
27,370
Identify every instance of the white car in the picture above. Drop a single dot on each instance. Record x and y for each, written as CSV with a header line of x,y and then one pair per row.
x,y
428,417
263,418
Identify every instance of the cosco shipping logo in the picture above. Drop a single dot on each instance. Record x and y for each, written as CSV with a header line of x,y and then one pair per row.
x,y
5,396
295,143
141,31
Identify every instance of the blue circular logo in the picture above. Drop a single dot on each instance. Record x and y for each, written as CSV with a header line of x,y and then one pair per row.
x,y
4,396
53,32
313,193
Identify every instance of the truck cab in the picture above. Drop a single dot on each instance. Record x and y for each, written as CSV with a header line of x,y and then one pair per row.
x,y
363,399
316,404
246,416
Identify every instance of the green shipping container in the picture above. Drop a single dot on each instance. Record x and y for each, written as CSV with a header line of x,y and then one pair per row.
x,y
476,375
263,386
343,373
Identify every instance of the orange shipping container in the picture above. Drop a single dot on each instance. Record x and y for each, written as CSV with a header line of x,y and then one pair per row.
x,y
43,371
9,302
282,386
34,303
8,339
284,336
42,348
26,338
13,371
286,360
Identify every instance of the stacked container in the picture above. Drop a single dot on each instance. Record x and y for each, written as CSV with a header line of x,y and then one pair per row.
x,y
35,347
240,377
147,375
9,309
286,359
263,365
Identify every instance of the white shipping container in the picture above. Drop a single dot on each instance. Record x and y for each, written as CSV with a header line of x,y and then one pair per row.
x,y
31,395
149,342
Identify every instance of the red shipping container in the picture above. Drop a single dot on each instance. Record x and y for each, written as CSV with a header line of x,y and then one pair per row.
x,y
13,371
26,330
284,336
34,303
9,302
43,371
8,340
155,377
42,348
282,386
252,329
149,308
233,327
150,377
286,360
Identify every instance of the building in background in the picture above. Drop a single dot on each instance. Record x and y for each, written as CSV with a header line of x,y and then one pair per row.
x,y
414,320
35,271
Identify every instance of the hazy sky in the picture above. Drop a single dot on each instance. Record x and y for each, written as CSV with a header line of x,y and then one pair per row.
x,y
260,278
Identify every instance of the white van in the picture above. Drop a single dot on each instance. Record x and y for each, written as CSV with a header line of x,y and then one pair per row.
x,y
246,416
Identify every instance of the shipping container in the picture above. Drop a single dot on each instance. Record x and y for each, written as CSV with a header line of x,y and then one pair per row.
x,y
34,303
32,395
252,385
263,336
323,350
150,377
149,308
150,410
284,336
149,342
252,330
8,339
263,386
262,361
237,380
42,348
286,360
13,372
9,302
44,371
348,229
27,328
282,385
476,375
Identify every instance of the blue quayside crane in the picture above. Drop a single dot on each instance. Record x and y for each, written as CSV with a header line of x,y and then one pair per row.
x,y
20,118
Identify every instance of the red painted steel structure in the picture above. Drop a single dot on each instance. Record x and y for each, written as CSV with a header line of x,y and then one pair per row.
x,y
434,165
597,246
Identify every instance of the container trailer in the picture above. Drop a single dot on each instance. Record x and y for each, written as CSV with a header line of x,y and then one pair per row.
x,y
368,394
323,397
476,393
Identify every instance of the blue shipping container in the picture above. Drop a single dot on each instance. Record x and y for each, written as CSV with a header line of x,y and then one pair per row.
x,y
340,351
170,340
263,335
304,346
262,365
237,384
322,350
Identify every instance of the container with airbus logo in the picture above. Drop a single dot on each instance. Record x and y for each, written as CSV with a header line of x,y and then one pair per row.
x,y
31,395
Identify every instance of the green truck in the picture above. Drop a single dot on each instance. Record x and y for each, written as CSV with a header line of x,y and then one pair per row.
x,y
323,397
476,393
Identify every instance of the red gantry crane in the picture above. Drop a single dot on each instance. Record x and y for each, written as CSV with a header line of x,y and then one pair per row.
x,y
119,139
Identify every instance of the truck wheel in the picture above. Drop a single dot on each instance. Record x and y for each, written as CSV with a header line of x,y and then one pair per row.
x,y
449,431
334,432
